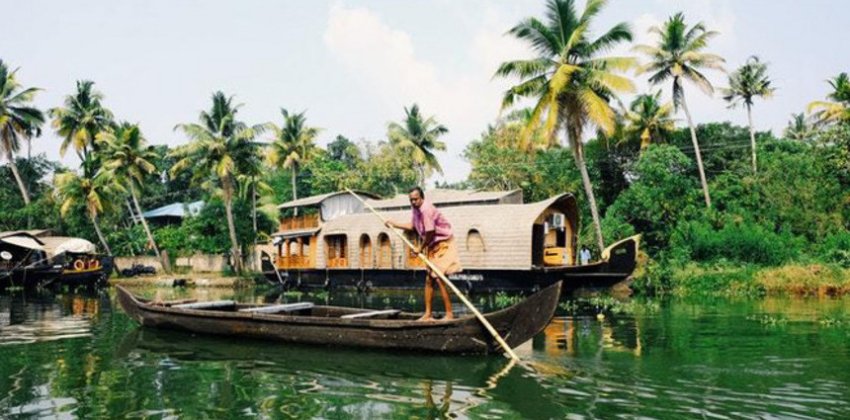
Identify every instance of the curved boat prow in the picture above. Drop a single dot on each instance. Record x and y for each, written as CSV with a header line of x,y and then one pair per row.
x,y
621,256
129,303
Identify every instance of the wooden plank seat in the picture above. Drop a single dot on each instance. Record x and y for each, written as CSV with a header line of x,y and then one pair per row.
x,y
206,305
286,307
371,314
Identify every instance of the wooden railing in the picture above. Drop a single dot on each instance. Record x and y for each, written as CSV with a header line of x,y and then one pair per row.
x,y
337,262
294,261
299,222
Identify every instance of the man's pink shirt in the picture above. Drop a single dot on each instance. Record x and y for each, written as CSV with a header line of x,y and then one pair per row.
x,y
427,218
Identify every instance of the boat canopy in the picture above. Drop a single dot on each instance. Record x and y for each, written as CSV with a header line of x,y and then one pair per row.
x,y
504,232
448,197
22,240
56,245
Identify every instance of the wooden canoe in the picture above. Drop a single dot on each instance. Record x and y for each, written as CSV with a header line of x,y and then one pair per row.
x,y
342,326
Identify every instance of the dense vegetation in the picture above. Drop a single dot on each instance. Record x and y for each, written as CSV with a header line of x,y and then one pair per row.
x,y
718,205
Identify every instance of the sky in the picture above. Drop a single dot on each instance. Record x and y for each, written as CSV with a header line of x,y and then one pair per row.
x,y
354,65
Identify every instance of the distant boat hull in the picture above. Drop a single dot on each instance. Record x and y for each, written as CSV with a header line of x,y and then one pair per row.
x,y
323,325
30,277
89,278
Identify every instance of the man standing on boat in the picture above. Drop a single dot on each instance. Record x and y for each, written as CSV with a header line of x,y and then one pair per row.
x,y
435,234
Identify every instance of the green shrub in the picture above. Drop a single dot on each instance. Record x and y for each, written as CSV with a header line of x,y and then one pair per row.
x,y
836,249
739,242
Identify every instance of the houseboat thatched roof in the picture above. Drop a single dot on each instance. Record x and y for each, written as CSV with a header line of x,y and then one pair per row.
x,y
55,245
446,197
492,236
21,238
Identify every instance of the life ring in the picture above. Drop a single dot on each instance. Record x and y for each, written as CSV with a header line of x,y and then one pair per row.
x,y
94,264
79,265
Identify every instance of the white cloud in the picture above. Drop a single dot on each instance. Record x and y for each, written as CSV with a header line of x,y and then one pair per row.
x,y
384,58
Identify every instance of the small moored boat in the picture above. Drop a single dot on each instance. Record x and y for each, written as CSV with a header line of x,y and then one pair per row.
x,y
307,323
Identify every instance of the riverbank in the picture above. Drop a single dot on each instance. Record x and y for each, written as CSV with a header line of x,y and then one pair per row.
x,y
737,280
216,280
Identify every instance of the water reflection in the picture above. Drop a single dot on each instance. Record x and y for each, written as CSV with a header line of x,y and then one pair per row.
x,y
36,317
365,384
73,356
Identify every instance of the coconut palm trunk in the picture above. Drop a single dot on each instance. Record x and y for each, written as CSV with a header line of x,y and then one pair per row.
x,y
100,235
231,226
165,263
752,136
578,153
254,209
704,183
294,188
11,158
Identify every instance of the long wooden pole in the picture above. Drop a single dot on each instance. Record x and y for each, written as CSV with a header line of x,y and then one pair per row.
x,y
445,279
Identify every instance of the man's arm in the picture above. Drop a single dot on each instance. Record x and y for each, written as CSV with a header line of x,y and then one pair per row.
x,y
397,225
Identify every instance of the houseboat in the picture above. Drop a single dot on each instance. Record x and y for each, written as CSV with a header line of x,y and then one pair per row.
x,y
24,262
332,240
81,264
36,258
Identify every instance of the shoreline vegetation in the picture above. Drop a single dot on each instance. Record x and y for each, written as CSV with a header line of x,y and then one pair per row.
x,y
794,279
723,210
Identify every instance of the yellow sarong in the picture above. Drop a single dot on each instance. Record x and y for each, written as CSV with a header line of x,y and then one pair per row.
x,y
444,255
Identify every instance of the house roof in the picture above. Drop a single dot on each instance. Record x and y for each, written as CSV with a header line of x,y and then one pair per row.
x,y
175,210
317,199
447,197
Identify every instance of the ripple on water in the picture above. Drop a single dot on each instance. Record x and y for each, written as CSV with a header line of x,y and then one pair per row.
x,y
46,330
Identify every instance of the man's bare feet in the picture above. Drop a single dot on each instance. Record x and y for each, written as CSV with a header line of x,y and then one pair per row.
x,y
448,317
426,318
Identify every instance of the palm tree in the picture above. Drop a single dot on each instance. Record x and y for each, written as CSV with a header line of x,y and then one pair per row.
x,y
293,145
798,128
216,154
519,119
650,119
419,137
79,122
571,79
679,56
746,83
96,194
837,109
18,121
124,153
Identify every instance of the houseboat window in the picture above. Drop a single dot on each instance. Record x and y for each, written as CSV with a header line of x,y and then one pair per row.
x,y
474,241
365,251
385,251
337,247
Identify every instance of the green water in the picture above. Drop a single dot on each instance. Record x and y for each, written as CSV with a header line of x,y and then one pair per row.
x,y
80,356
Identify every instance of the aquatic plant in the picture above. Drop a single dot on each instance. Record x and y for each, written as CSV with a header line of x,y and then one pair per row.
x,y
831,321
293,294
772,320
503,300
